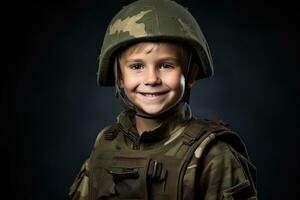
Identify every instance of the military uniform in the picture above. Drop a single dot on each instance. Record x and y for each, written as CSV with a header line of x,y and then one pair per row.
x,y
120,166
182,158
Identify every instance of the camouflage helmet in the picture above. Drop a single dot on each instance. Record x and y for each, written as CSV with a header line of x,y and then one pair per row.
x,y
152,20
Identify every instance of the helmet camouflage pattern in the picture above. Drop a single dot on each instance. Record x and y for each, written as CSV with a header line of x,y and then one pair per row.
x,y
152,20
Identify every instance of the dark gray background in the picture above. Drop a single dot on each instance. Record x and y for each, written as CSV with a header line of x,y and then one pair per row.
x,y
53,108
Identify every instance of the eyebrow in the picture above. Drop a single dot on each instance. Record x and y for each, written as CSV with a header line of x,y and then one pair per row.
x,y
133,60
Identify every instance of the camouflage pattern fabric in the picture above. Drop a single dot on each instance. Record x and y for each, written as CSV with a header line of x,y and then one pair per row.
x,y
152,20
214,173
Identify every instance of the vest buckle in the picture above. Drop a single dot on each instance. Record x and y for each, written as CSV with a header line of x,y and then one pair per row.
x,y
156,171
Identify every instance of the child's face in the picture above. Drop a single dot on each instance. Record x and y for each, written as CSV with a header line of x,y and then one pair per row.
x,y
152,77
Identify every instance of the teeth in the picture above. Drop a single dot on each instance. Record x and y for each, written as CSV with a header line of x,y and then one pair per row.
x,y
150,95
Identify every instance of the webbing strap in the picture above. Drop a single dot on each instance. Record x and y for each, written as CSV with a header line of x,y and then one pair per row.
x,y
201,133
111,133
199,127
190,136
187,159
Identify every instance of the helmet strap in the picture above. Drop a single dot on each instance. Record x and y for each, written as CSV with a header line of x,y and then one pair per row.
x,y
188,75
119,92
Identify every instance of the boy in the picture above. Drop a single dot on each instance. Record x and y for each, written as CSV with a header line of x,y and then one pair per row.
x,y
153,52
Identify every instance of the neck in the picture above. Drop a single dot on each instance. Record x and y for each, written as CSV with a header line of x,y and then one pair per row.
x,y
145,124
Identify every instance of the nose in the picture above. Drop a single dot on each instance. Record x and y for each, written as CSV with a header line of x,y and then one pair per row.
x,y
152,77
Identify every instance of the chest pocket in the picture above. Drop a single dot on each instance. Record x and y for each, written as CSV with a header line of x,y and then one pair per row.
x,y
124,177
136,178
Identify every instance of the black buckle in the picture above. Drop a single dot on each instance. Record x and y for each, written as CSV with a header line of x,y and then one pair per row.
x,y
156,171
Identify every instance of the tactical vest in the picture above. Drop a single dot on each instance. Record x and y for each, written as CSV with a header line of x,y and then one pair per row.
x,y
118,172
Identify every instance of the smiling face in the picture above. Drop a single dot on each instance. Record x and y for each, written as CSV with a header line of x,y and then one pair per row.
x,y
151,76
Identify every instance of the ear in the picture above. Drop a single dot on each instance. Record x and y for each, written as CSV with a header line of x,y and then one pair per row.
x,y
118,75
120,81
194,74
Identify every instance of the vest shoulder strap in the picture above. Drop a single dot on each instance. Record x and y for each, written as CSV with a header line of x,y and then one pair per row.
x,y
201,133
111,132
105,137
200,129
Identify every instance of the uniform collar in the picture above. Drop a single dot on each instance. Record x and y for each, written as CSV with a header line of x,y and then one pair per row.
x,y
182,113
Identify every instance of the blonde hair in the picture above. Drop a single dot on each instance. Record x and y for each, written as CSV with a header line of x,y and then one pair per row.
x,y
184,52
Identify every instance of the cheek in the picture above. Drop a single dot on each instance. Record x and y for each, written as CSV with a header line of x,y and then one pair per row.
x,y
175,81
129,82
126,79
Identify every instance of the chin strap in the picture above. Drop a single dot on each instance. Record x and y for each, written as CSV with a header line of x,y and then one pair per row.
x,y
187,90
161,115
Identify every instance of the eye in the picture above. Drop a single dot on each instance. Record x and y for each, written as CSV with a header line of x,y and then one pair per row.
x,y
166,66
136,66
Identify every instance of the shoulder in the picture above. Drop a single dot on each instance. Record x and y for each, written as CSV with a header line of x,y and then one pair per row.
x,y
214,134
214,144
223,174
219,154
222,161
79,188
211,125
199,128
217,147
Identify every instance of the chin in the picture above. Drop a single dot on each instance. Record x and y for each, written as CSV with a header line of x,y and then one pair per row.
x,y
154,111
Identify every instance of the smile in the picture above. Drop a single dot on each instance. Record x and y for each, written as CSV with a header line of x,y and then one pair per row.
x,y
152,94
155,96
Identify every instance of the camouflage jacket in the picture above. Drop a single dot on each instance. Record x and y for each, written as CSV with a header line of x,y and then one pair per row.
x,y
215,172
